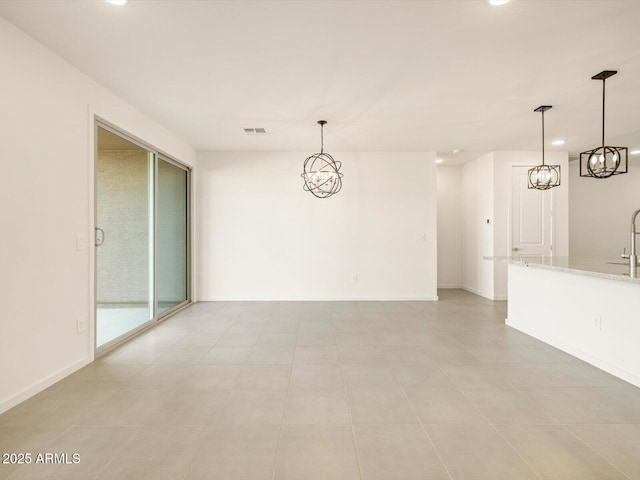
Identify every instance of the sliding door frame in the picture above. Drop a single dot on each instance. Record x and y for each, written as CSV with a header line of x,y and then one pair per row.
x,y
99,122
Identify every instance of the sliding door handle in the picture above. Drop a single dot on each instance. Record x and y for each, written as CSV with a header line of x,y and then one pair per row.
x,y
99,236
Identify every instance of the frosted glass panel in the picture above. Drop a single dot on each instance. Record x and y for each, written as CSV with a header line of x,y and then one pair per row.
x,y
172,236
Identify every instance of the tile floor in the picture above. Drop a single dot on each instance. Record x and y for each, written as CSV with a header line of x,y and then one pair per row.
x,y
343,390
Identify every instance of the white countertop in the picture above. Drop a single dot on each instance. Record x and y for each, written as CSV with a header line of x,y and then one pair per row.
x,y
591,267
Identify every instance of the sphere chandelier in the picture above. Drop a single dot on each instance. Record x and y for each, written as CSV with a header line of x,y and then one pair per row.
x,y
321,173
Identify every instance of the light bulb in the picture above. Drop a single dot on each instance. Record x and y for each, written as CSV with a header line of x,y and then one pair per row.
x,y
615,159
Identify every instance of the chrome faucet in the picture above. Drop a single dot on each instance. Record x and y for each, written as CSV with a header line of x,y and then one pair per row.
x,y
633,254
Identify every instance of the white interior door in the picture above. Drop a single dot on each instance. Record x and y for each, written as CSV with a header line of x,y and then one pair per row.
x,y
531,218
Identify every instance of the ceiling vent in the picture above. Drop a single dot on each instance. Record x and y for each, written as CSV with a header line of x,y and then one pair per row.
x,y
255,131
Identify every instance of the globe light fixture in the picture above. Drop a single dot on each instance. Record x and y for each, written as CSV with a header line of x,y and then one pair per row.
x,y
604,161
543,177
321,173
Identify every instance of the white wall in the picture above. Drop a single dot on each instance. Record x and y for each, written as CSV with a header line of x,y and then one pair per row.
x,y
261,237
449,226
601,210
45,198
477,234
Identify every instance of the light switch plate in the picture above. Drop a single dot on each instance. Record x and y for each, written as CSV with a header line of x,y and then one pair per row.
x,y
80,325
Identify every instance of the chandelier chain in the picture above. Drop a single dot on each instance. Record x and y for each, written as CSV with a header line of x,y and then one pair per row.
x,y
603,90
542,137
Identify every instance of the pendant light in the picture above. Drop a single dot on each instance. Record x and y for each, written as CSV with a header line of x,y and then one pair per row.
x,y
543,177
321,173
604,161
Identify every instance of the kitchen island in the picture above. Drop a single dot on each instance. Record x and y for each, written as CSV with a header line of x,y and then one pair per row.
x,y
589,308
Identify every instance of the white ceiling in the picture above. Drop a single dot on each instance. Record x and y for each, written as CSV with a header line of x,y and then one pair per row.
x,y
387,75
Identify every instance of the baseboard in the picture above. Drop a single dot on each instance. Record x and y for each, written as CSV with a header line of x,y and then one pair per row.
x,y
41,385
476,292
431,298
595,361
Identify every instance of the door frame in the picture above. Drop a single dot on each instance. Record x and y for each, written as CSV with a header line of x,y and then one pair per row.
x,y
96,122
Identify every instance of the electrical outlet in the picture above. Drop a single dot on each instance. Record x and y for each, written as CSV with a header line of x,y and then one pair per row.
x,y
354,279
80,325
597,323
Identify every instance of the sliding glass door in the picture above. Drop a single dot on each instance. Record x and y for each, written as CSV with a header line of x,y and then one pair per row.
x,y
142,236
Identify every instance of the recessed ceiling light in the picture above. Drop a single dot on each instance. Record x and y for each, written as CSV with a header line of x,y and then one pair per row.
x,y
439,160
455,150
557,142
635,152
498,2
117,2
